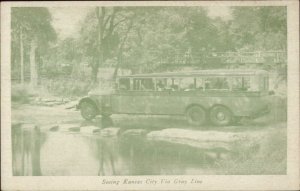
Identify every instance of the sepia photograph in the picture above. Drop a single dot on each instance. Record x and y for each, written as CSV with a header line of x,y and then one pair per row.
x,y
148,90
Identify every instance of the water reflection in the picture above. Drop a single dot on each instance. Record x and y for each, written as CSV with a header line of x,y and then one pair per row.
x,y
107,151
37,152
26,143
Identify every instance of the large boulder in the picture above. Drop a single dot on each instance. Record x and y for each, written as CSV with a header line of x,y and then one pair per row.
x,y
208,140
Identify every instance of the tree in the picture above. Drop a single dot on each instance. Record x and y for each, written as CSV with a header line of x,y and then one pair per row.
x,y
121,48
33,26
132,38
162,45
100,35
259,28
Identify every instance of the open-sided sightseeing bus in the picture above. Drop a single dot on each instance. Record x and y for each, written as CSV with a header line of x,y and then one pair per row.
x,y
217,96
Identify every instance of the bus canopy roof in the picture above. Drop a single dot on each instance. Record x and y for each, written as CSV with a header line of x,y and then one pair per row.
x,y
199,73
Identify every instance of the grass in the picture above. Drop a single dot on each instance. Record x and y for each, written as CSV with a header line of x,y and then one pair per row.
x,y
268,158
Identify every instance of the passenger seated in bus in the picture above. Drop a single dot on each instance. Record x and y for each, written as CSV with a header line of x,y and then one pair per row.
x,y
123,87
160,86
207,85
244,89
190,88
223,84
124,84
146,87
143,87
200,88
147,84
174,87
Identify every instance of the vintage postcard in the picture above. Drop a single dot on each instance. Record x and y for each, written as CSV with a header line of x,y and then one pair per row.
x,y
150,95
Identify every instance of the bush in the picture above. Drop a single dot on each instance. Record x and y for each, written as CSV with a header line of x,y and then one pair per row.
x,y
20,93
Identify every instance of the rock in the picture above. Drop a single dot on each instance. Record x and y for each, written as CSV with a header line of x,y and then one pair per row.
x,y
68,127
213,155
217,154
89,129
111,131
195,135
51,127
38,99
32,99
58,103
48,104
71,105
65,100
49,100
28,126
74,129
55,128
135,132
199,139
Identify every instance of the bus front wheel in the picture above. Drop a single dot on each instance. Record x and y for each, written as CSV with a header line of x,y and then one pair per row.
x,y
220,116
196,115
88,110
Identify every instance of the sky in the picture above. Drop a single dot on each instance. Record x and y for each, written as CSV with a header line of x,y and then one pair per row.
x,y
66,19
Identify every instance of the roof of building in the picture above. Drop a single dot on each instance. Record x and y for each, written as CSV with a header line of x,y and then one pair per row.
x,y
199,73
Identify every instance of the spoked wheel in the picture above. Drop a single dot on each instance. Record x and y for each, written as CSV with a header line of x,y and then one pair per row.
x,y
196,115
88,110
220,116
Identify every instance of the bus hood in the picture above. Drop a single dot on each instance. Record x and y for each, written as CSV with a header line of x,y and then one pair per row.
x,y
101,92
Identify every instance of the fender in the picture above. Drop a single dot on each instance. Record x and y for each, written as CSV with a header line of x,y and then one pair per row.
x,y
91,100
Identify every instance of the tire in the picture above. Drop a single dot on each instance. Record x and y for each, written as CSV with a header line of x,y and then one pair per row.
x,y
220,116
196,115
88,110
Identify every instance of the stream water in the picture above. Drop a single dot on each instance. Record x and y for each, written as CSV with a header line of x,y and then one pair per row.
x,y
71,153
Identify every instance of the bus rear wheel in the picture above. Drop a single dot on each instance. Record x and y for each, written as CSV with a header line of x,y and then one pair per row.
x,y
196,115
88,110
220,116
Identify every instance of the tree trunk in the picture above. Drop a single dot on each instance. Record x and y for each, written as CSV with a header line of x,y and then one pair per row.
x,y
95,71
21,57
33,69
120,51
99,57
119,61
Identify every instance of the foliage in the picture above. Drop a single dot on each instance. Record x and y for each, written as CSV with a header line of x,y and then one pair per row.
x,y
143,39
260,28
28,24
